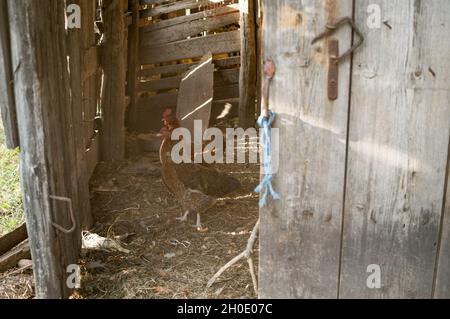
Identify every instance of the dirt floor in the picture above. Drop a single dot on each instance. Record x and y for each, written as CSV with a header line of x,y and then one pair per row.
x,y
167,258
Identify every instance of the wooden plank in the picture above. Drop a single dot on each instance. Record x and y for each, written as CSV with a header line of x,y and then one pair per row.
x,y
150,2
44,151
399,137
226,77
185,30
90,67
221,78
173,6
75,112
157,85
226,92
183,67
12,239
174,68
442,285
300,234
112,135
11,259
7,102
192,48
133,62
248,78
196,94
188,18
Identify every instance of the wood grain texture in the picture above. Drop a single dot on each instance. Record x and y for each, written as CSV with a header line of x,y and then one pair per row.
x,y
112,135
133,62
13,238
163,24
196,94
219,43
41,93
221,78
173,6
248,75
300,234
7,102
75,112
442,284
187,29
398,148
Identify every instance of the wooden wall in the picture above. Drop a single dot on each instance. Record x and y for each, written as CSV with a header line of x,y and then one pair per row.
x,y
362,178
171,40
55,101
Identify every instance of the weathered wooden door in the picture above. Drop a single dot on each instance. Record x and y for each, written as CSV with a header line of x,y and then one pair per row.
x,y
362,178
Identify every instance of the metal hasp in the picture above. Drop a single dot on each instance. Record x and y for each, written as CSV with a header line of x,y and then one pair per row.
x,y
333,51
72,216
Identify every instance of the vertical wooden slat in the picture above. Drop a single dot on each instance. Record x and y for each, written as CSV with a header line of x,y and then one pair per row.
x,y
76,54
248,76
112,135
300,234
7,102
133,63
398,144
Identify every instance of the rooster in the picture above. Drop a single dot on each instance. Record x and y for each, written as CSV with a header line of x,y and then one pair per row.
x,y
195,186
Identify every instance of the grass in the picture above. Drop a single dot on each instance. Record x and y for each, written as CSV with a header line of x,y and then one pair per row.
x,y
11,209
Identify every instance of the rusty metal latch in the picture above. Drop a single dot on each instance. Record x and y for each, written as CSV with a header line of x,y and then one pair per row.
x,y
72,216
333,50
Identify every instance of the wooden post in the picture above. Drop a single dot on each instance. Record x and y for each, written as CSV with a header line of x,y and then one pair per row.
x,y
442,280
112,135
248,71
76,53
133,63
37,35
7,102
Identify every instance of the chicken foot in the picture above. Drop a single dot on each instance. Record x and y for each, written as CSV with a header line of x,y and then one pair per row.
x,y
199,225
184,218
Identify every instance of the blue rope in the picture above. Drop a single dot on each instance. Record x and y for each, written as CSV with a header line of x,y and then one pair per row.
x,y
266,184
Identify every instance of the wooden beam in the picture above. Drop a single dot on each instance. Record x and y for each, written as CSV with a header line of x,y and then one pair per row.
x,y
182,67
11,259
133,62
164,24
112,135
248,75
185,30
12,239
173,6
75,113
221,78
7,101
219,43
158,85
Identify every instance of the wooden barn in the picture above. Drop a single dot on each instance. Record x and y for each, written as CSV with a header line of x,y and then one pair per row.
x,y
361,100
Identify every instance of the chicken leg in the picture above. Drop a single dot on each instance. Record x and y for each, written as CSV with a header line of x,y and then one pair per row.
x,y
184,218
